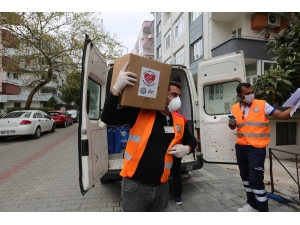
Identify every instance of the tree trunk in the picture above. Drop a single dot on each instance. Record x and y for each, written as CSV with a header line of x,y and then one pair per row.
x,y
32,93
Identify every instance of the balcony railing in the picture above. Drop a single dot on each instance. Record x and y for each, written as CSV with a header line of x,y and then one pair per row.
x,y
9,64
10,88
147,42
253,47
36,97
9,40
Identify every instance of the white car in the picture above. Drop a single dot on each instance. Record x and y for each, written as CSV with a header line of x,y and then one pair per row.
x,y
25,122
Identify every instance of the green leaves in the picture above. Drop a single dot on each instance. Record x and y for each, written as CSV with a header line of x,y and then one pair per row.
x,y
277,84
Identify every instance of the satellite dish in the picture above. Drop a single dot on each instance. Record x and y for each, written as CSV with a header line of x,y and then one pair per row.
x,y
149,35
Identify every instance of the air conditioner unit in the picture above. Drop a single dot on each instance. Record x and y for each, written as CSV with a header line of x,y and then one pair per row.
x,y
149,36
273,20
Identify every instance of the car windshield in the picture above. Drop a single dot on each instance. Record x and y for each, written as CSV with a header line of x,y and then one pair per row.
x,y
73,112
17,115
53,113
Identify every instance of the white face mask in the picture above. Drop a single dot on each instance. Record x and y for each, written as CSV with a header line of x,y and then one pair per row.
x,y
249,98
174,104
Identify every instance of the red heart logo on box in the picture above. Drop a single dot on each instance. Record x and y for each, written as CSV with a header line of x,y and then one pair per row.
x,y
149,78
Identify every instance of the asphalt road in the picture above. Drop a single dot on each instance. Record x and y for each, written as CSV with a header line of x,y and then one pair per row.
x,y
41,175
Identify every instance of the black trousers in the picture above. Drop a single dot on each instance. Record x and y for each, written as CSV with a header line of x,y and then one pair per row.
x,y
175,173
251,163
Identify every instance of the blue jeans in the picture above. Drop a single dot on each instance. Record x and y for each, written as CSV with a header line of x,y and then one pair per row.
x,y
144,198
251,163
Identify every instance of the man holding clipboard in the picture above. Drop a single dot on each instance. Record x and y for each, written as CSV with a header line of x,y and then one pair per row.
x,y
250,117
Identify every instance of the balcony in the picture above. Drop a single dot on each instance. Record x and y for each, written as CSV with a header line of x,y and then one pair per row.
x,y
148,56
152,27
36,97
9,40
9,88
228,17
253,48
152,47
146,26
147,42
9,64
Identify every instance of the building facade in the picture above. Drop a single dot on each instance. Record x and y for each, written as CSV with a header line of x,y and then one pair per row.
x,y
189,37
14,89
144,41
7,40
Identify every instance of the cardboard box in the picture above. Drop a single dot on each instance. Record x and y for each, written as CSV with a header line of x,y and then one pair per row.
x,y
153,77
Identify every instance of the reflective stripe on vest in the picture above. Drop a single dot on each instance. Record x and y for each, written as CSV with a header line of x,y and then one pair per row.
x,y
252,135
255,128
138,138
253,124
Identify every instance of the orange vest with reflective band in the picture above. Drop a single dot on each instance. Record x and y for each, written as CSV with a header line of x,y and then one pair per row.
x,y
138,138
253,129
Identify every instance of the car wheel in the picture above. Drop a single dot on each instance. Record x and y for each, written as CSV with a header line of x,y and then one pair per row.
x,y
53,127
37,133
65,124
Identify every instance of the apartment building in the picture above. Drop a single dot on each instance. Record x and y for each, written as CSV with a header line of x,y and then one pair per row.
x,y
144,41
189,37
7,86
14,86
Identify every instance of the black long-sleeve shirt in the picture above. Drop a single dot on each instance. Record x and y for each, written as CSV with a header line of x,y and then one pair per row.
x,y
151,165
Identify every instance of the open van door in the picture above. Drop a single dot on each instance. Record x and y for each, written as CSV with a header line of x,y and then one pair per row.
x,y
92,135
217,80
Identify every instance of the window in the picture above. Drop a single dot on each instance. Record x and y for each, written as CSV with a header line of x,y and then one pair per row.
x,y
179,57
158,52
218,98
15,76
286,133
17,104
1,105
94,97
158,28
197,50
237,33
168,61
168,40
178,26
216,91
38,115
194,16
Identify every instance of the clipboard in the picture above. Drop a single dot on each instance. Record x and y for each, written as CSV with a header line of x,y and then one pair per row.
x,y
294,100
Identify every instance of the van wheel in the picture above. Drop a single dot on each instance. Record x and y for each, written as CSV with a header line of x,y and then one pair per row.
x,y
37,133
65,124
53,127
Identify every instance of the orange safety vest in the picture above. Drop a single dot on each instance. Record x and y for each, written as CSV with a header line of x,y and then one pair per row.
x,y
138,138
253,129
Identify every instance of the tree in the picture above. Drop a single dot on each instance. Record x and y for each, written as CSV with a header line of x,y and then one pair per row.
x,y
70,91
51,102
51,44
277,84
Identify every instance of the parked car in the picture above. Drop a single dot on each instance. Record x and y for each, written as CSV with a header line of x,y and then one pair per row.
x,y
25,122
75,115
61,118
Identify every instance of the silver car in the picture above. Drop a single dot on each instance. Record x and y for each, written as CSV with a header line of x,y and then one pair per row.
x,y
25,122
74,114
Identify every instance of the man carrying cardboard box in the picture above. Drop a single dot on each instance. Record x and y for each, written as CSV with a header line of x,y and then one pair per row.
x,y
151,144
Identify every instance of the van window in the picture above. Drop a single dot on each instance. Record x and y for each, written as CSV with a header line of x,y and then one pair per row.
x,y
94,97
218,98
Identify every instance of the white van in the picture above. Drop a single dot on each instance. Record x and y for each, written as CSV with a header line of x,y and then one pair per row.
x,y
206,105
